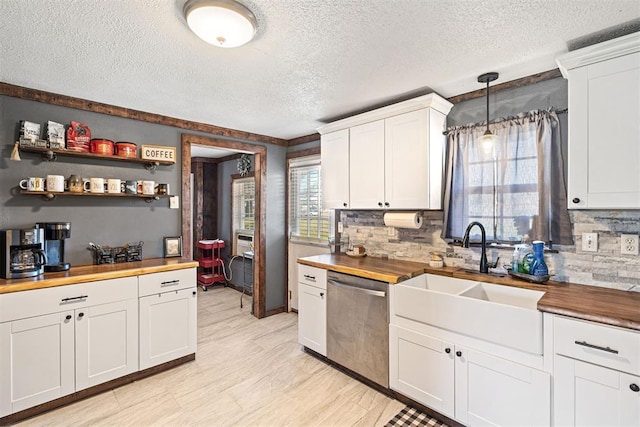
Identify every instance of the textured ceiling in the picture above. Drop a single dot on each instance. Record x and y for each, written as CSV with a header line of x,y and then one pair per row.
x,y
311,61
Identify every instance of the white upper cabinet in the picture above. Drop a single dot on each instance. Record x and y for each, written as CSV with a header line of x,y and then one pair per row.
x,y
334,158
604,124
394,157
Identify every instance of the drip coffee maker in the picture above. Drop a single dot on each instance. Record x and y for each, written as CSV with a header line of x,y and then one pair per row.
x,y
55,233
21,253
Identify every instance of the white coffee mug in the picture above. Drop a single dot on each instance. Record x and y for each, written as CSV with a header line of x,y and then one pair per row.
x,y
32,184
94,185
148,187
55,183
113,185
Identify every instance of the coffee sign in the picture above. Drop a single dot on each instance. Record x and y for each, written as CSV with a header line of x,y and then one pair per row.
x,y
158,153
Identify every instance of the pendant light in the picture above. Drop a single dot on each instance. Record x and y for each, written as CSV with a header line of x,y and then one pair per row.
x,y
223,23
488,140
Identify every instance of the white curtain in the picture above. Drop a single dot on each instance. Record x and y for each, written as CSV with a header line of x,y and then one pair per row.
x,y
516,189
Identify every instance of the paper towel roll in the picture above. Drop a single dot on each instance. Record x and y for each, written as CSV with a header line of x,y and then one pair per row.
x,y
403,220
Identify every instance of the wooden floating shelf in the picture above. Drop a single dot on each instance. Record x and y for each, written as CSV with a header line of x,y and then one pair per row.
x,y
50,195
50,154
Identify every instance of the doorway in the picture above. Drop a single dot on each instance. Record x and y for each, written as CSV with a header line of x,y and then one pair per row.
x,y
259,243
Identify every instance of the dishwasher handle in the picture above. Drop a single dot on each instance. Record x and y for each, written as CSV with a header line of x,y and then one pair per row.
x,y
371,292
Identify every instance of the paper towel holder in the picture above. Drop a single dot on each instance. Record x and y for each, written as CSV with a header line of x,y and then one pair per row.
x,y
411,220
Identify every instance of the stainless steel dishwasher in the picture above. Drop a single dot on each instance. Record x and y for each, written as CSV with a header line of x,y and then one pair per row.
x,y
358,325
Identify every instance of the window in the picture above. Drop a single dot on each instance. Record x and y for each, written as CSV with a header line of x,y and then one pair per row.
x,y
517,190
307,218
244,196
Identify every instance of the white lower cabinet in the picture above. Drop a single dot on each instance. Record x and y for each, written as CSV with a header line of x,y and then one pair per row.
x,y
587,394
168,311
470,386
55,341
312,308
596,374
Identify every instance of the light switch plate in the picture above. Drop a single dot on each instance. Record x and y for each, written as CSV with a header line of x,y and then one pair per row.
x,y
629,244
174,202
590,242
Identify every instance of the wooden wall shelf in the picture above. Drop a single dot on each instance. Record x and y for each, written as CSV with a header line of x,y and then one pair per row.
x,y
49,195
49,154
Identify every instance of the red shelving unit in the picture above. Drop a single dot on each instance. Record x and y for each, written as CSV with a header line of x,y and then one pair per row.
x,y
211,265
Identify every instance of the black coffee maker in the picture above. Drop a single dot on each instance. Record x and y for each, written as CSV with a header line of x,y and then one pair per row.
x,y
21,253
55,233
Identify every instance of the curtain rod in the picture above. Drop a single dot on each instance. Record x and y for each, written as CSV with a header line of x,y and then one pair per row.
x,y
492,122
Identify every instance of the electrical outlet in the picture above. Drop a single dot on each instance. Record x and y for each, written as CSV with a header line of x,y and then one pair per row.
x,y
590,242
174,202
340,227
629,244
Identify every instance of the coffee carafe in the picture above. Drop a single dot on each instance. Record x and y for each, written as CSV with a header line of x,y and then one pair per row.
x,y
21,253
55,233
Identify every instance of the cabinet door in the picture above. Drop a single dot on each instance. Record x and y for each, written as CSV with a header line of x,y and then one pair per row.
x,y
36,361
604,134
586,394
167,326
494,391
106,342
312,318
412,161
366,166
422,368
334,158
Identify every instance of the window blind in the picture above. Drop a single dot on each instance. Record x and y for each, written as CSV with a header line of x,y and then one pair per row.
x,y
307,218
244,196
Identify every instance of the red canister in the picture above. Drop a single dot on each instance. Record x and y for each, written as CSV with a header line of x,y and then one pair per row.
x,y
101,146
126,149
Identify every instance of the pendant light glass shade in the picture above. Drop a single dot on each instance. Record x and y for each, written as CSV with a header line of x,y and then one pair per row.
x,y
223,23
488,140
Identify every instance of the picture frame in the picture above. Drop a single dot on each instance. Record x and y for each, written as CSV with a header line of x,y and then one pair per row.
x,y
173,246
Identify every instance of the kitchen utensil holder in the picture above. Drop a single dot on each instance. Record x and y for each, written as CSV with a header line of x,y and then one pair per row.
x,y
128,253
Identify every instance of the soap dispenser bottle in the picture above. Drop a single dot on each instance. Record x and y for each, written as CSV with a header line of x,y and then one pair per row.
x,y
538,267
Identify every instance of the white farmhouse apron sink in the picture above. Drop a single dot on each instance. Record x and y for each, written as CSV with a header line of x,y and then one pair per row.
x,y
501,314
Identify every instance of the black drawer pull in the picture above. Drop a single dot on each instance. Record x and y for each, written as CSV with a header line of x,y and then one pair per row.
x,y
170,283
597,347
459,353
634,387
306,276
68,317
75,298
447,350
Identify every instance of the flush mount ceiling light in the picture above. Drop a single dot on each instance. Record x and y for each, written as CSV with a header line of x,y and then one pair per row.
x,y
223,23
488,140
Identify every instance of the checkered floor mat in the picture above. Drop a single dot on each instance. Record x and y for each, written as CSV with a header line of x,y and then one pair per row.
x,y
411,417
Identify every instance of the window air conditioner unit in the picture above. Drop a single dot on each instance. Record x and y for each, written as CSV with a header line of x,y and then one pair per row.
x,y
243,243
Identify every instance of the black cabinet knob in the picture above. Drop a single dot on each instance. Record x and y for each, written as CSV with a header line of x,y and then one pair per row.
x,y
194,292
81,315
380,204
322,294
386,204
344,204
634,387
68,317
447,350
575,200
459,353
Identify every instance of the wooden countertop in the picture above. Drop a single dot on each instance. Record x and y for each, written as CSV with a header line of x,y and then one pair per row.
x,y
390,271
91,273
609,306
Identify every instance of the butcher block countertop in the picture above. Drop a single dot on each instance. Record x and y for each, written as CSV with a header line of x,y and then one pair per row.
x,y
609,306
91,273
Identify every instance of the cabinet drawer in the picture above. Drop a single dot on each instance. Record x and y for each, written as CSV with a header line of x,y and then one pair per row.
x,y
20,305
154,283
608,346
312,276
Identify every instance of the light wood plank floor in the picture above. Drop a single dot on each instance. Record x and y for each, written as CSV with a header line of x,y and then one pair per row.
x,y
247,372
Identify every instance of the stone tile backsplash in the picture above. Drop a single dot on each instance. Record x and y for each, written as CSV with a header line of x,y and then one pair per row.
x,y
606,267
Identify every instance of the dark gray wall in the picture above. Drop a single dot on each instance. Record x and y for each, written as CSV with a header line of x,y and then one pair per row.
x,y
105,221
275,226
116,221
